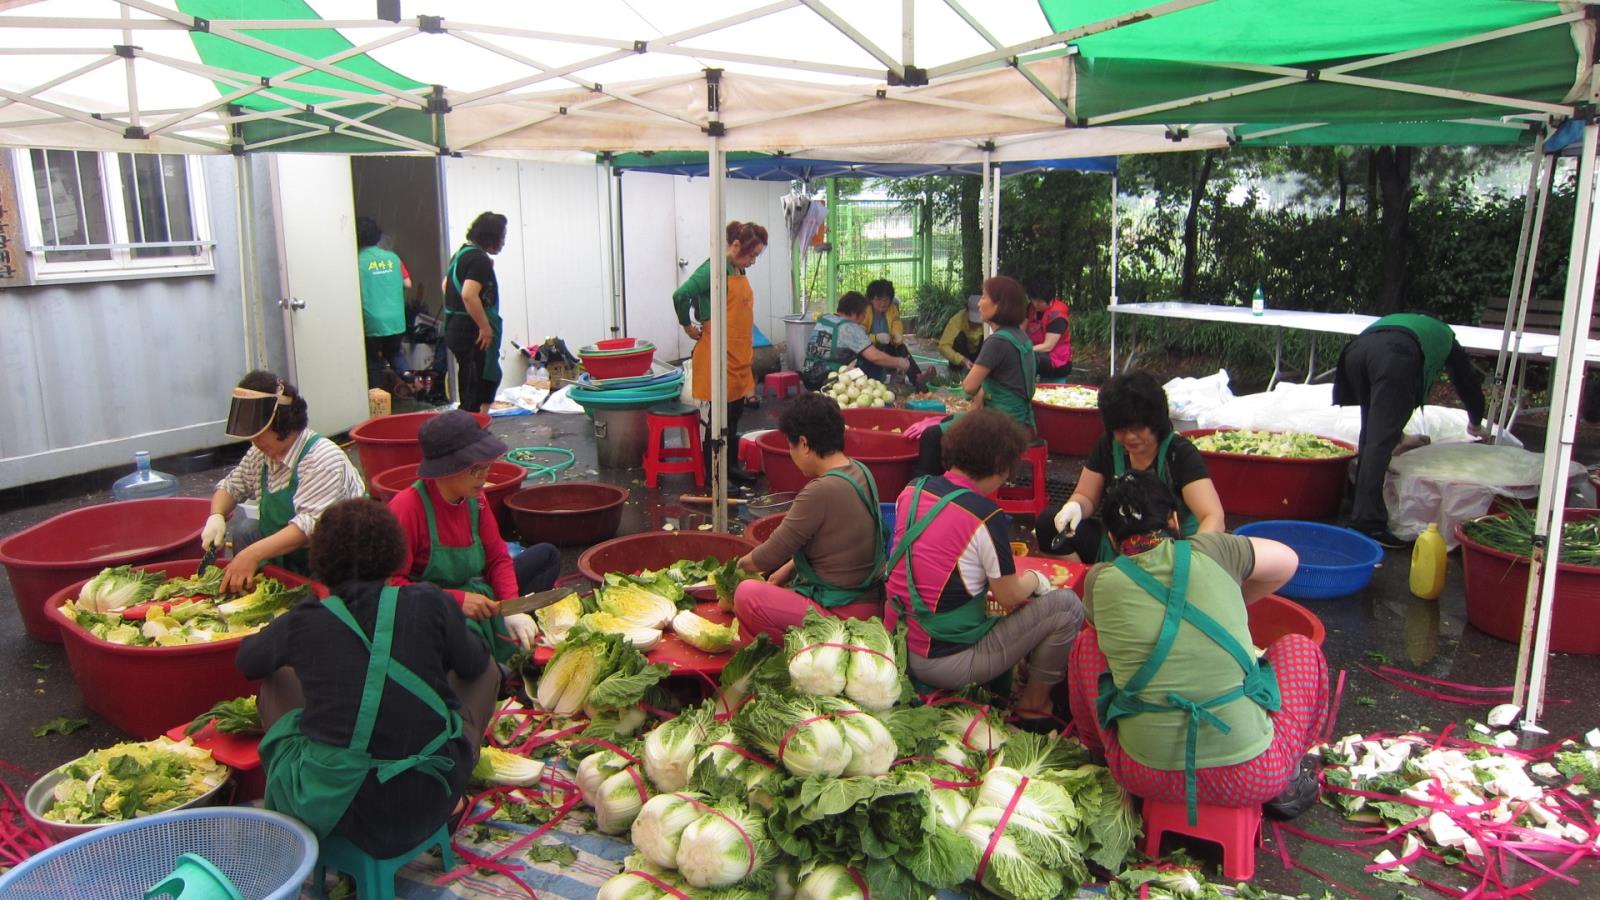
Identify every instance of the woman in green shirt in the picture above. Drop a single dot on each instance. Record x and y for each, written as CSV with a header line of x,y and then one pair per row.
x,y
1167,683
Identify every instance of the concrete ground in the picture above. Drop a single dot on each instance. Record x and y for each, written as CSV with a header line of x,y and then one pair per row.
x,y
1382,622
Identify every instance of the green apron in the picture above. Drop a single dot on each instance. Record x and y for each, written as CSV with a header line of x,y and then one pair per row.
x,y
965,624
811,586
276,508
1258,683
462,568
316,782
999,397
491,311
1188,523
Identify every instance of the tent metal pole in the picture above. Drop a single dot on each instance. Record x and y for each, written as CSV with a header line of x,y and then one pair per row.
x,y
908,32
1564,391
985,201
1132,16
1518,363
1513,296
856,37
994,226
717,169
613,198
1114,253
247,254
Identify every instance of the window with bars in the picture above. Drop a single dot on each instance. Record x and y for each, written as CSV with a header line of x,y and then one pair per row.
x,y
94,213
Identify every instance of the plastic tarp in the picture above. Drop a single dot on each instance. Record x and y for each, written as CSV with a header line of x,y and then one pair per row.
x,y
1291,406
1451,483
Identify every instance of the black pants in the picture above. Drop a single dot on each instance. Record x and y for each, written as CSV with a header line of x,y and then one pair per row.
x,y
473,391
1044,370
382,351
1085,541
735,412
1384,372
930,452
537,567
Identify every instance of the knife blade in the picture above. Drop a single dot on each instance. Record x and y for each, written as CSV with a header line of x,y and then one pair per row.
x,y
206,559
536,600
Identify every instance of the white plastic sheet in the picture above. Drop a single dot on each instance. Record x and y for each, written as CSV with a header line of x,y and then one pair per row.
x,y
1309,408
1189,398
1450,483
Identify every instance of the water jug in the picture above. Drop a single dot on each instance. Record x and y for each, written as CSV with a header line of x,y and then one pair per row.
x,y
144,482
1427,564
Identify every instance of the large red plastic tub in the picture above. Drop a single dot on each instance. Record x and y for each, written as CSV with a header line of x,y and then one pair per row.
x,y
762,528
618,365
885,418
504,479
890,457
76,545
1273,616
567,513
143,691
659,549
1069,431
1275,487
1497,584
385,442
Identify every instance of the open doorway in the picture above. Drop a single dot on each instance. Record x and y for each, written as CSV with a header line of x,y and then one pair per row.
x,y
401,193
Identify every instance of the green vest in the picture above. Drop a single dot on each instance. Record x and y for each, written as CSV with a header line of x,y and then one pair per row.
x,y
810,585
1188,522
316,782
383,292
1433,336
964,624
275,509
491,357
1158,710
462,568
822,349
1000,397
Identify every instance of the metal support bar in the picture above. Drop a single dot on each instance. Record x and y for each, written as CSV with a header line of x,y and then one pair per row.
x,y
717,172
1513,296
1130,17
856,37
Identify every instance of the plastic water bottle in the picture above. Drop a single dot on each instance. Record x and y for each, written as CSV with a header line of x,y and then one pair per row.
x,y
1427,564
1258,302
144,482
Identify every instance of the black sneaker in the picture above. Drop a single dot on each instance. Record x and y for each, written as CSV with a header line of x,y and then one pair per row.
x,y
1299,796
741,475
1388,539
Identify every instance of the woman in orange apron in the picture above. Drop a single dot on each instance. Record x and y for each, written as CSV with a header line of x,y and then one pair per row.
x,y
746,240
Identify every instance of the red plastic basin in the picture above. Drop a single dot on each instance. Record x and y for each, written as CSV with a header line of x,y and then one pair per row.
x,y
385,442
568,513
658,549
1273,616
762,528
1274,487
619,365
1069,431
504,479
143,691
887,418
615,343
76,545
890,458
1497,583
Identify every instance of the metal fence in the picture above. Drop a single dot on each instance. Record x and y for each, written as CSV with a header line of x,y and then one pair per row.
x,y
874,239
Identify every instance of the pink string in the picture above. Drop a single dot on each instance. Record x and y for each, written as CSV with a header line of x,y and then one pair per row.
x,y
1000,827
749,846
877,653
755,758
783,743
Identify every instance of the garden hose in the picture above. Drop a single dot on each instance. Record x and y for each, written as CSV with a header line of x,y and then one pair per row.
x,y
525,457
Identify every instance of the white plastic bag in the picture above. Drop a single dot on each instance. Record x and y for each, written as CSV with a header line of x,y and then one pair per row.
x,y
1188,398
1450,483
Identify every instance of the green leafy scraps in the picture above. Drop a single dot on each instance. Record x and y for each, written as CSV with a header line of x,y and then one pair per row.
x,y
59,725
560,854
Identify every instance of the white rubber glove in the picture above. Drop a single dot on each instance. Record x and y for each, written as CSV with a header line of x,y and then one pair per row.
x,y
215,533
1068,517
522,629
1041,583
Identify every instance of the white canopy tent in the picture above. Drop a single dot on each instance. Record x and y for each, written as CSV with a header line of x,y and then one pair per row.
x,y
797,76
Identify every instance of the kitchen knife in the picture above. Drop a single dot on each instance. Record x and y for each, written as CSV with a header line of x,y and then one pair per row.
x,y
538,600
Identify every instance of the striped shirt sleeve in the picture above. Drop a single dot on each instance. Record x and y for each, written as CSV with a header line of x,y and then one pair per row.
x,y
244,482
326,477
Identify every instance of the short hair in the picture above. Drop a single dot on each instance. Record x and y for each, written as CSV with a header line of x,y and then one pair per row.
x,y
882,287
357,539
292,416
1039,287
367,231
1137,502
816,418
746,233
1135,399
982,443
851,304
488,230
1011,303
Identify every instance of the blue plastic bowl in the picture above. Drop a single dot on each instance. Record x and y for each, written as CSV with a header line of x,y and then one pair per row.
x,y
1334,561
266,855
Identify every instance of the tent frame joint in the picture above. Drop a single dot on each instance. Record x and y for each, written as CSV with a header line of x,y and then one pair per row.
x,y
1176,134
641,46
126,51
200,25
437,104
134,133
913,76
431,25
1313,74
715,129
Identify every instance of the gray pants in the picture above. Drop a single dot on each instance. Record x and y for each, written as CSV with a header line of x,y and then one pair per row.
x,y
243,531
1041,631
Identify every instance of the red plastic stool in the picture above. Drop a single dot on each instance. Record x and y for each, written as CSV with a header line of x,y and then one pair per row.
x,y
1031,499
1237,829
660,459
779,383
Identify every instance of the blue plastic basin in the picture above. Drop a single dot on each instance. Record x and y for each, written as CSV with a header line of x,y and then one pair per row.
x,y
1334,561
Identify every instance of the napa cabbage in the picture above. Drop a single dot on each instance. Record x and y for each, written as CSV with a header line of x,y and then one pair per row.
x,y
796,732
817,657
636,605
703,634
661,823
671,747
726,845
874,676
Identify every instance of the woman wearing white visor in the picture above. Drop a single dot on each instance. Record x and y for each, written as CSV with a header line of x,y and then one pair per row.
x,y
292,472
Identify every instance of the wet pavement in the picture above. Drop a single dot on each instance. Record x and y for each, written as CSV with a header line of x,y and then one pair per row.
x,y
1382,623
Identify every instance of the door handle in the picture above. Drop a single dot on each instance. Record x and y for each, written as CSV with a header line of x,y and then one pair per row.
x,y
291,303
682,262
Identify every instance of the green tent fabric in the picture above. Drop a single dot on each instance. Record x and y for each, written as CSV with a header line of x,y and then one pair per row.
x,y
312,43
1188,54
